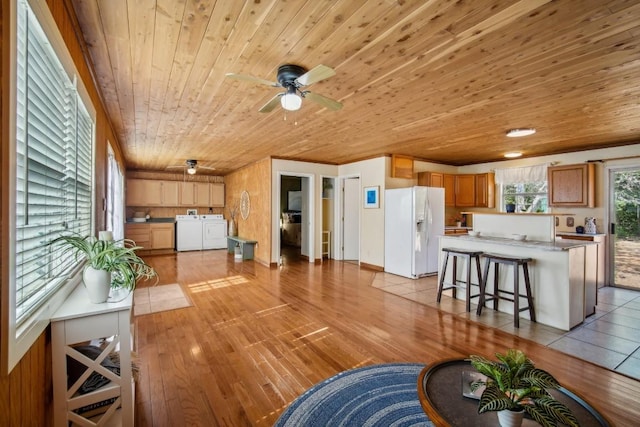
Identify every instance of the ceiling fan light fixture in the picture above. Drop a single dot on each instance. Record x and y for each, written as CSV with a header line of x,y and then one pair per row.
x,y
291,101
191,171
516,133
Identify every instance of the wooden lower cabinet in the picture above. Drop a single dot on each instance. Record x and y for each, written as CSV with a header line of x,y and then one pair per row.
x,y
139,233
162,236
152,235
594,274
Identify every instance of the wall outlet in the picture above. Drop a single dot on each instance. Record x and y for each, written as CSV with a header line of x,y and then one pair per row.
x,y
569,221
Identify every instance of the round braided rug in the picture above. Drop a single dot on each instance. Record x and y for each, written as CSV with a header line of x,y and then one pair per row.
x,y
378,395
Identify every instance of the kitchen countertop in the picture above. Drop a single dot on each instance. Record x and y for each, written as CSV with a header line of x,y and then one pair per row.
x,y
152,220
560,245
569,233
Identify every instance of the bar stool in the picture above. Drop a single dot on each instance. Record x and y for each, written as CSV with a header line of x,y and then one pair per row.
x,y
455,283
516,262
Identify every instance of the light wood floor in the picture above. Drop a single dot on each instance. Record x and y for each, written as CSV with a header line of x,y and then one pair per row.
x,y
257,338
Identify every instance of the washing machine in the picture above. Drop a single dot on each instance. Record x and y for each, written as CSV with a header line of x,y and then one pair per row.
x,y
214,231
188,233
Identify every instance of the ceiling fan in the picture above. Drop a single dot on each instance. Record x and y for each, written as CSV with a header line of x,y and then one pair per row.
x,y
191,166
293,78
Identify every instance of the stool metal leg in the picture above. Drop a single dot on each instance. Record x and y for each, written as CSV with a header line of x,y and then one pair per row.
x,y
468,287
527,283
444,273
496,270
483,287
516,296
454,279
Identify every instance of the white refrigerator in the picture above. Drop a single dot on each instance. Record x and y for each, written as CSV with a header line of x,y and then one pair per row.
x,y
413,223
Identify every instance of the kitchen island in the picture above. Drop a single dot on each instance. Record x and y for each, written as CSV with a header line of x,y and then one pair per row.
x,y
558,274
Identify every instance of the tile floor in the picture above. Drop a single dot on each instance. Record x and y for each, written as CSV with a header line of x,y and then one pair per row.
x,y
159,298
610,338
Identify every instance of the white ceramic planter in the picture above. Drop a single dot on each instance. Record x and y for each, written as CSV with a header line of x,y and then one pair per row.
x,y
98,284
510,418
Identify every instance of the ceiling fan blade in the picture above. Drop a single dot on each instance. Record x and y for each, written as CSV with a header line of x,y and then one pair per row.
x,y
252,79
317,73
206,167
269,106
324,101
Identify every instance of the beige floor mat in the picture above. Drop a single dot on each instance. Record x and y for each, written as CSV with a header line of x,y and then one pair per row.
x,y
159,298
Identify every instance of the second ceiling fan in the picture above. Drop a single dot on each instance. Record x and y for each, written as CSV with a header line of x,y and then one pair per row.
x,y
293,78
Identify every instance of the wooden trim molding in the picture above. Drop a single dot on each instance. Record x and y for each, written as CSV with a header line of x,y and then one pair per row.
x,y
371,267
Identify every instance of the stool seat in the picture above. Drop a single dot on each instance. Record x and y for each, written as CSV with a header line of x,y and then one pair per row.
x,y
504,259
467,256
462,251
498,294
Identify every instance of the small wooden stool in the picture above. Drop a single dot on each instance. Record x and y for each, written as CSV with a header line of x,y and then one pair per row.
x,y
496,260
455,283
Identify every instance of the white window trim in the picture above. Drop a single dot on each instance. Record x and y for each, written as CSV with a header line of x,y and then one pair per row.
x,y
17,341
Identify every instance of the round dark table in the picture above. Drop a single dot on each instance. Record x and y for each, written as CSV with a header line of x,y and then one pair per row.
x,y
440,393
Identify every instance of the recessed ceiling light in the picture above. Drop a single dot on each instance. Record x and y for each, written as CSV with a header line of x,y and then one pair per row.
x,y
513,155
515,133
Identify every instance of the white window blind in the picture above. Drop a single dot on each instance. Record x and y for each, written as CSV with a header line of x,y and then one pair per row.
x,y
54,142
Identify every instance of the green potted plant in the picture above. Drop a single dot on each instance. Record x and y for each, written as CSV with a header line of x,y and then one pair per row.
x,y
110,264
513,385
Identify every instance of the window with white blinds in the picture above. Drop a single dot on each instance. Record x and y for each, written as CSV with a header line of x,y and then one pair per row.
x,y
54,142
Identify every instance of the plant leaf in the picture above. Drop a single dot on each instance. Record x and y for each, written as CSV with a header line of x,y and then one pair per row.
x,y
493,399
557,410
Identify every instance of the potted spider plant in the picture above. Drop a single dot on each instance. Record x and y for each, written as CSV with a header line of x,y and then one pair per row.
x,y
111,264
514,386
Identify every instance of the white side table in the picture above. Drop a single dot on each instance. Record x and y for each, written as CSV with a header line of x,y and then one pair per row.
x,y
77,321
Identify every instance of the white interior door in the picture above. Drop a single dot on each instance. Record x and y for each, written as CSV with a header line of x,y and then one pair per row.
x,y
305,245
351,219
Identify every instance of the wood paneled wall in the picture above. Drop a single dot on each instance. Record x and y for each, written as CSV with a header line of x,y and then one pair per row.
x,y
255,179
26,393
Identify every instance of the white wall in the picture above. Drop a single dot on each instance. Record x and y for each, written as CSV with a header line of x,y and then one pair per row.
x,y
372,172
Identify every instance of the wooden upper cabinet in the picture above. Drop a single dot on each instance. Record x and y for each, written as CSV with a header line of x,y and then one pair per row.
x,y
572,185
449,182
442,180
216,195
150,192
187,194
170,190
136,192
431,179
465,190
485,186
401,166
194,194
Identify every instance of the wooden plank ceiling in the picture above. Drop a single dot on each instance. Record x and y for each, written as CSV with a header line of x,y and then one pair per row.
x,y
439,80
